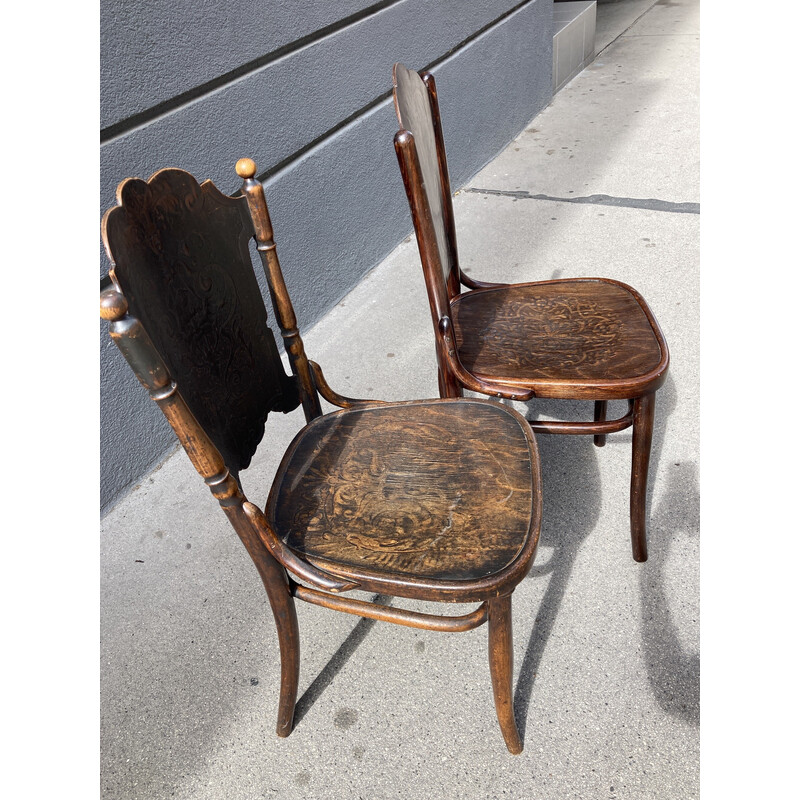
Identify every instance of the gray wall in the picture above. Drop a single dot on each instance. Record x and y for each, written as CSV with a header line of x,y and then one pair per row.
x,y
303,88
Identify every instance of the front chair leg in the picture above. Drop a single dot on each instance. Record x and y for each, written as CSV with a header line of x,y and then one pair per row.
x,y
501,664
289,641
643,415
285,614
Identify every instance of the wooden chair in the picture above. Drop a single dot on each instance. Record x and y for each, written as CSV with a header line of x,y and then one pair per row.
x,y
436,500
576,338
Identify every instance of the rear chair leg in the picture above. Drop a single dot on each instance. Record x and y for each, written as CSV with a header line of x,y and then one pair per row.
x,y
600,407
643,415
501,664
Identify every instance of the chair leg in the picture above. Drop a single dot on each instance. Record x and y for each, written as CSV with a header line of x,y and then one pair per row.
x,y
600,407
501,664
289,642
643,415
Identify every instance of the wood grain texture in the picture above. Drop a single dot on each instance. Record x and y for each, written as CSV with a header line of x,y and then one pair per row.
x,y
414,114
431,490
180,255
431,499
577,339
587,333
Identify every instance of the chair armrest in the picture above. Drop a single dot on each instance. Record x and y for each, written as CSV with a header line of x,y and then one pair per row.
x,y
288,559
466,378
334,397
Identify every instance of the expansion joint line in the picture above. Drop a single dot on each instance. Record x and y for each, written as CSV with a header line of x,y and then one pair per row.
x,y
648,204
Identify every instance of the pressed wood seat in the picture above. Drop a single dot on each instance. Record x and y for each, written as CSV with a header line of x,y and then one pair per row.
x,y
424,490
576,338
437,500
559,336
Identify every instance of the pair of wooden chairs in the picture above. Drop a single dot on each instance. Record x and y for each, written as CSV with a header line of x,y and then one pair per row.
x,y
436,500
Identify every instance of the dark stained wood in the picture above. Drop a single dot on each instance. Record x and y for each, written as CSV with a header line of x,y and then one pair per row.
x,y
149,367
282,303
330,395
600,411
400,616
415,489
644,409
580,339
568,338
180,256
501,665
599,427
434,499
414,112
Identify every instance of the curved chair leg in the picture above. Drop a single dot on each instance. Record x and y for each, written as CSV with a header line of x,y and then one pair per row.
x,y
283,609
276,582
600,407
643,415
501,664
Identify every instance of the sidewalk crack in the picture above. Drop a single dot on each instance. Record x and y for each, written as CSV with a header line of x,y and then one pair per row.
x,y
649,204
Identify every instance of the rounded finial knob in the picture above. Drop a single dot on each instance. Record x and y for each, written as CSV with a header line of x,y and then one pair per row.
x,y
113,305
245,168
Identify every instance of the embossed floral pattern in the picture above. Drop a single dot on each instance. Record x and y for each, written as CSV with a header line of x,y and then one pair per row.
x,y
411,488
180,253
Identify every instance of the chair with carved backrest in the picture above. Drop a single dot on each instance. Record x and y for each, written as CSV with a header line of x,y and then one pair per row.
x,y
435,500
574,338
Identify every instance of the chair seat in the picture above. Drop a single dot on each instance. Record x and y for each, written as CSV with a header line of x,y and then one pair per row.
x,y
441,490
556,335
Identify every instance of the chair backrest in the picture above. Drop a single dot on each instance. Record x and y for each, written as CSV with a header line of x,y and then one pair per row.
x,y
417,108
180,256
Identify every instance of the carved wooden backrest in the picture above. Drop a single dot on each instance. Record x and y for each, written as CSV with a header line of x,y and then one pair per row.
x,y
179,254
413,106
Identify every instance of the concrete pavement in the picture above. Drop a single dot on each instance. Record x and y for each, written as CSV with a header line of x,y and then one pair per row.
x,y
604,182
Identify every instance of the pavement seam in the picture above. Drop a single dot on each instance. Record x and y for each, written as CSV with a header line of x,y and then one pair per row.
x,y
650,204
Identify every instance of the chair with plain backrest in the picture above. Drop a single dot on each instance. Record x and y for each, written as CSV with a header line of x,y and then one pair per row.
x,y
436,500
574,338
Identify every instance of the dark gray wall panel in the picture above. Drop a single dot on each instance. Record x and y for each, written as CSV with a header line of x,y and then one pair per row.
x,y
340,208
277,111
152,50
134,435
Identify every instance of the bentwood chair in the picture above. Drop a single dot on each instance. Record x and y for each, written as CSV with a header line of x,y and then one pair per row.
x,y
575,338
436,500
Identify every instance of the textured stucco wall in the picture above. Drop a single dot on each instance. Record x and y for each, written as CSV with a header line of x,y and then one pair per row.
x,y
303,89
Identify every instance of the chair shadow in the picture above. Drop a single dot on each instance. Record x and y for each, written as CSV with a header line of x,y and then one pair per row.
x,y
673,672
571,512
571,509
336,662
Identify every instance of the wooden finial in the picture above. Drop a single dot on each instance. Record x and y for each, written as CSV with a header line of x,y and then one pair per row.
x,y
113,305
246,168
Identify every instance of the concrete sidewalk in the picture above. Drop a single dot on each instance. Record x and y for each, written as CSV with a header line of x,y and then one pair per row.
x,y
604,182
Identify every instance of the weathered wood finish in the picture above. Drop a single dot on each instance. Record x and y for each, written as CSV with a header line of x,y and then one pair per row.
x,y
581,339
501,666
573,338
254,191
148,366
179,253
412,105
434,500
417,489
